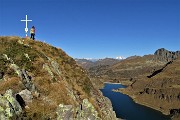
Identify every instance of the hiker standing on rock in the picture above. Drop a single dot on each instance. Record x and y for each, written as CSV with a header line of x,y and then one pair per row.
x,y
32,31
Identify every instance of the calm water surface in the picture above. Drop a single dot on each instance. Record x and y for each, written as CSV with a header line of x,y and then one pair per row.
x,y
127,109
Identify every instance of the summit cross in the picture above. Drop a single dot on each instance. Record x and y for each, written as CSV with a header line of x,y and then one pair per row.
x,y
26,28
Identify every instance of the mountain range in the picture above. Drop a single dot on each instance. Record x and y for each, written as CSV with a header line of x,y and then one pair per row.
x,y
88,63
152,80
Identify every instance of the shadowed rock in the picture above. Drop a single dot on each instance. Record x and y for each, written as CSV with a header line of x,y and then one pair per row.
x,y
10,109
1,75
21,101
174,111
159,71
26,95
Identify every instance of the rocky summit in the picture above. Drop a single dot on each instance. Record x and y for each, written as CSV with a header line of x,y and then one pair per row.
x,y
41,82
165,55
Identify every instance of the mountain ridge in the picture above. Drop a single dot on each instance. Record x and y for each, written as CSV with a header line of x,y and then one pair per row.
x,y
85,63
39,81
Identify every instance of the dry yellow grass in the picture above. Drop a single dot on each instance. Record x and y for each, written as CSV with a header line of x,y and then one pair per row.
x,y
11,83
53,91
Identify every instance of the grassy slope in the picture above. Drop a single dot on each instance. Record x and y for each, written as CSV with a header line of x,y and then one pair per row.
x,y
127,70
161,92
56,89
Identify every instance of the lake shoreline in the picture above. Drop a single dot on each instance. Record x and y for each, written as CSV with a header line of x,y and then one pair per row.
x,y
121,90
128,102
112,83
108,83
134,98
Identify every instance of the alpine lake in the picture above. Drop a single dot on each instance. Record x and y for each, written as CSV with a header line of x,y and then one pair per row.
x,y
127,109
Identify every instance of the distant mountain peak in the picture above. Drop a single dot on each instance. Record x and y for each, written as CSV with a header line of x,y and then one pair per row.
x,y
92,59
120,57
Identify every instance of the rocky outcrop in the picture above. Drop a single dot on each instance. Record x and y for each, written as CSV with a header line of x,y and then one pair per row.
x,y
26,95
170,95
26,79
65,112
165,55
85,111
175,114
47,68
10,109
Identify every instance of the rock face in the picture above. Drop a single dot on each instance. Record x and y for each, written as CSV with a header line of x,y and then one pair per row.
x,y
85,111
9,107
45,83
165,55
26,79
26,95
65,112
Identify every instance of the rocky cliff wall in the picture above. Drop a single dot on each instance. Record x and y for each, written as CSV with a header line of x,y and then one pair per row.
x,y
165,55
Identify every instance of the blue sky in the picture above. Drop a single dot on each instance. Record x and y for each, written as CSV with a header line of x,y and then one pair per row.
x,y
97,28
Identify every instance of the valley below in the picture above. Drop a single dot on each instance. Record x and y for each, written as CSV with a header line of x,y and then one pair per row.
x,y
151,80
